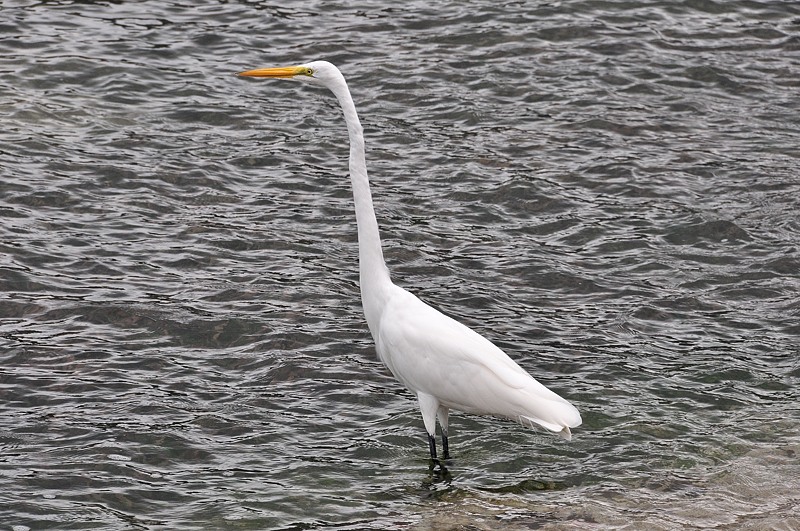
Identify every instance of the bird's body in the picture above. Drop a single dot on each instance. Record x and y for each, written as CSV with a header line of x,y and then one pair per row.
x,y
457,368
444,363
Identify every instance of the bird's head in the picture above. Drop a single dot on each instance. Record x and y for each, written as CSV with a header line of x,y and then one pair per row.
x,y
317,72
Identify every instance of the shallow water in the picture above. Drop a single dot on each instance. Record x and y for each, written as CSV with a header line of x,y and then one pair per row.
x,y
609,191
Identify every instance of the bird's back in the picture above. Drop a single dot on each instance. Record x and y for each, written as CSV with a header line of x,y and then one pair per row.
x,y
434,354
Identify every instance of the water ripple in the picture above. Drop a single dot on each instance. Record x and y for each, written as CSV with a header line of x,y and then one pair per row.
x,y
606,190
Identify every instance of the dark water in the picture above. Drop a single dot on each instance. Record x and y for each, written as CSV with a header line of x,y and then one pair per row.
x,y
608,190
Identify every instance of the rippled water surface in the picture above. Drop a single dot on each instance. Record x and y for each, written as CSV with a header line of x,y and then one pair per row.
x,y
607,190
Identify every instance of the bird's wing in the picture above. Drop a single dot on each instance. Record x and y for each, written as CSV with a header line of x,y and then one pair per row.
x,y
424,348
434,354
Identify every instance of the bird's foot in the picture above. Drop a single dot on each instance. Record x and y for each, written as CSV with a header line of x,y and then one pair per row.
x,y
440,463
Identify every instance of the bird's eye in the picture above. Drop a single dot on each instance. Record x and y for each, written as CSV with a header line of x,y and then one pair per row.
x,y
309,71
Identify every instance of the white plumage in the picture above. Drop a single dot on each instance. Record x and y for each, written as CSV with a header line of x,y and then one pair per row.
x,y
454,367
444,363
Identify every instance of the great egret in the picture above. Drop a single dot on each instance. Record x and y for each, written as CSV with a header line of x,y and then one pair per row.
x,y
444,363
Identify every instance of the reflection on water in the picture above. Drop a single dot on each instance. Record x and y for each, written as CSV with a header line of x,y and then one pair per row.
x,y
607,191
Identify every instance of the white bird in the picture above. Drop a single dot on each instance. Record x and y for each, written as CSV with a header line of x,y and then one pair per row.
x,y
444,363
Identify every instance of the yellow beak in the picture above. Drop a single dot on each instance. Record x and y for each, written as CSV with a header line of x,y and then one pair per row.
x,y
281,72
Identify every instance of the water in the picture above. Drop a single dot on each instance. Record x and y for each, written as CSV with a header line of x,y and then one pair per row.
x,y
608,190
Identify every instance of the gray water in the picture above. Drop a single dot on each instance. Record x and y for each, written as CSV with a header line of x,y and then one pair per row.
x,y
607,190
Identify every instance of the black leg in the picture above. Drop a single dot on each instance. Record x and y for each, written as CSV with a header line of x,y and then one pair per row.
x,y
445,447
432,444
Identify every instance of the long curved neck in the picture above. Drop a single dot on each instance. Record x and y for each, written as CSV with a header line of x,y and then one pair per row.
x,y
374,276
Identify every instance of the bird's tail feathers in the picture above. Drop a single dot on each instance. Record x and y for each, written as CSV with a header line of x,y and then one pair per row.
x,y
560,415
559,429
